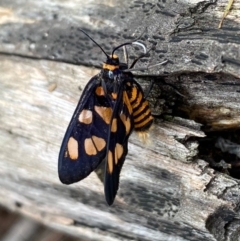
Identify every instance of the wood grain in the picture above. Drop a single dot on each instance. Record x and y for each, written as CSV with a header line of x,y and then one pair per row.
x,y
33,122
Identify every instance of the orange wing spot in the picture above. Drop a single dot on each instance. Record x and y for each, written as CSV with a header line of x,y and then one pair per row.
x,y
72,147
104,112
110,67
118,152
133,94
127,102
114,125
140,109
144,123
85,117
115,157
89,147
100,91
144,114
138,101
126,122
114,96
110,162
100,143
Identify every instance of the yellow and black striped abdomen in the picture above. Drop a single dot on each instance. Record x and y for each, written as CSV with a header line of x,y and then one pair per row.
x,y
141,111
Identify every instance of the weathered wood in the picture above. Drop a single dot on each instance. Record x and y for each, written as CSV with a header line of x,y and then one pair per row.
x,y
33,122
15,227
166,192
184,32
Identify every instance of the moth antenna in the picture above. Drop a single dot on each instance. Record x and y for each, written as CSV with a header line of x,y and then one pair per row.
x,y
131,43
94,42
121,45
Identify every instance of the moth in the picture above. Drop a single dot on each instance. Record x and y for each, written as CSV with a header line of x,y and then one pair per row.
x,y
111,106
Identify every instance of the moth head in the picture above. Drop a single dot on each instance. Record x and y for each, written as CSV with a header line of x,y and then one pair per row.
x,y
112,63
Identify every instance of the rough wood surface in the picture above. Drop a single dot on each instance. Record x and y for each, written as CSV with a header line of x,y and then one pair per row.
x,y
184,32
166,191
15,227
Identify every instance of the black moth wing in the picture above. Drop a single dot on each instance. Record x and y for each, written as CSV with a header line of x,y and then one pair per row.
x,y
85,141
120,130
